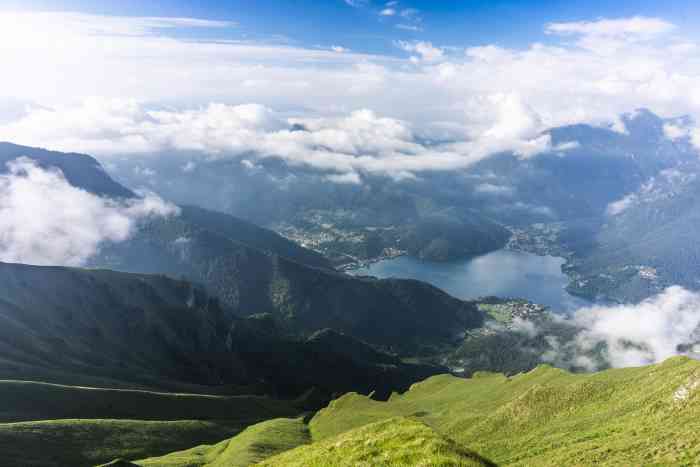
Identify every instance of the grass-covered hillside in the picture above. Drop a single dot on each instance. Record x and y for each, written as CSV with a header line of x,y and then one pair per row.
x,y
287,442
635,416
47,425
30,401
392,442
85,443
253,445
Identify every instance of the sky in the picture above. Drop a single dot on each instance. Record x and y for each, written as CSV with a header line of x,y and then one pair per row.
x,y
372,26
391,88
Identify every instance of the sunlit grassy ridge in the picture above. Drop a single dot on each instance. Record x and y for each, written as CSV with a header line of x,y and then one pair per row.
x,y
636,416
393,442
255,444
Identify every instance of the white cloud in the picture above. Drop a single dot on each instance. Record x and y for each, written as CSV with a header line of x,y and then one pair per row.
x,y
641,334
68,24
524,326
492,189
618,126
609,36
567,146
410,13
682,131
626,335
154,91
189,167
637,26
425,51
661,75
412,20
350,178
46,221
674,132
618,207
361,141
409,27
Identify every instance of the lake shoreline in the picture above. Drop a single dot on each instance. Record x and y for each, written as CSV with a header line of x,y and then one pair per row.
x,y
502,273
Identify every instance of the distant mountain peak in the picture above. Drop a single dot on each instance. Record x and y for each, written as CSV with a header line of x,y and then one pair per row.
x,y
80,170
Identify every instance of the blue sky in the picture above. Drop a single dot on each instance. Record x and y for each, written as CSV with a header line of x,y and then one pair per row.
x,y
458,82
309,23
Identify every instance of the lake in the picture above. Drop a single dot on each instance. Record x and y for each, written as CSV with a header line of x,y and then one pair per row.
x,y
502,273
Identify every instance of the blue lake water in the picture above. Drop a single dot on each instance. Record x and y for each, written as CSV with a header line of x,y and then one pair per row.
x,y
502,273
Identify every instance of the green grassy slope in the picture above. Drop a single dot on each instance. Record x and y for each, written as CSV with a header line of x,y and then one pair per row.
x,y
393,442
635,416
77,426
84,443
30,401
255,444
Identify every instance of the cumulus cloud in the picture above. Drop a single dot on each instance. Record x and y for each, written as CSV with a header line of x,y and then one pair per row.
x,y
621,205
361,141
75,24
675,132
627,335
649,332
356,3
685,130
492,189
350,178
411,20
424,51
638,26
564,82
409,27
488,99
46,221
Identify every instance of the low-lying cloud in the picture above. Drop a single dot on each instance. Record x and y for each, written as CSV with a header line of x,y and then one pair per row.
x,y
649,332
660,327
361,141
46,221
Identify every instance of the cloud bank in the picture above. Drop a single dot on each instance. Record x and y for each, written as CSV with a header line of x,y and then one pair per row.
x,y
430,108
660,327
46,221
360,141
650,332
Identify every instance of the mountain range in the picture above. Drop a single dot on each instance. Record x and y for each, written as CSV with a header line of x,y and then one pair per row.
x,y
571,189
204,339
